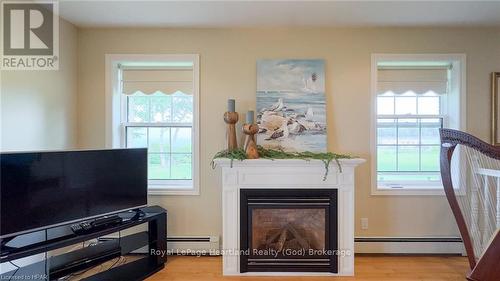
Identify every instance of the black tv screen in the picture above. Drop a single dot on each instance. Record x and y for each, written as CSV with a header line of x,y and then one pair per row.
x,y
41,189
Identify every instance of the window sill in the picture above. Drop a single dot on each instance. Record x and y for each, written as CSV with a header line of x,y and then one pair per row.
x,y
410,191
173,190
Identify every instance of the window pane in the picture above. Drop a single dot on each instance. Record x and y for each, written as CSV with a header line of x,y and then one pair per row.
x,y
159,166
428,105
430,158
159,140
430,131
406,105
408,131
137,137
181,140
408,158
138,109
385,105
161,108
386,158
181,166
182,109
386,131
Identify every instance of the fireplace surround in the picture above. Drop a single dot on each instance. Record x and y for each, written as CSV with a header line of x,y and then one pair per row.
x,y
291,183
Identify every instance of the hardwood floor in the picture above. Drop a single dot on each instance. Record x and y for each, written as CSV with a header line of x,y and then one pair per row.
x,y
187,268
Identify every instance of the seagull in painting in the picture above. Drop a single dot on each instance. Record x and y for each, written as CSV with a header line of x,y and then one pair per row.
x,y
296,128
310,125
278,106
281,133
271,121
309,114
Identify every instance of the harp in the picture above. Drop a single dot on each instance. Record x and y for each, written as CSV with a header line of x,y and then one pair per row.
x,y
470,170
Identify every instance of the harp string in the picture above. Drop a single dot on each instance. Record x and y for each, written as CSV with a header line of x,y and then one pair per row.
x,y
476,179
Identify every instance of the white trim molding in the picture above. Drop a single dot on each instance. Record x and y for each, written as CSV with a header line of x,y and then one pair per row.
x,y
455,108
286,174
114,128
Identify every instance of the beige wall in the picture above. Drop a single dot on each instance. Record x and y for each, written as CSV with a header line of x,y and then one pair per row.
x,y
38,108
228,58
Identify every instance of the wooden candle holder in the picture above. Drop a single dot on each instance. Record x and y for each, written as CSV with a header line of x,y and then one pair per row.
x,y
250,144
231,118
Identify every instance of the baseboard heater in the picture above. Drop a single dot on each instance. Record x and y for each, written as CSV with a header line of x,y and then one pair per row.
x,y
409,245
193,245
209,245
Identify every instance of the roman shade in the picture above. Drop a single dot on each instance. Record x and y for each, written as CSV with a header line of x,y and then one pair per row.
x,y
164,80
418,80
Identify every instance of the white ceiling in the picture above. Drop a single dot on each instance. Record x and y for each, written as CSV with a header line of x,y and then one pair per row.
x,y
280,13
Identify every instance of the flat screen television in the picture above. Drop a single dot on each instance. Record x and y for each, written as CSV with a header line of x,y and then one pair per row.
x,y
45,189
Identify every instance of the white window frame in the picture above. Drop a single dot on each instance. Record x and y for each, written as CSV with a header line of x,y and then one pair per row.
x,y
453,108
115,131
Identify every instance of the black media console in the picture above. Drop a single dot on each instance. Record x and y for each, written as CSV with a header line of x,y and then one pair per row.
x,y
136,265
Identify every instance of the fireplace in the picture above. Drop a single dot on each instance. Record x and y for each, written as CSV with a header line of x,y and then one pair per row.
x,y
288,230
284,194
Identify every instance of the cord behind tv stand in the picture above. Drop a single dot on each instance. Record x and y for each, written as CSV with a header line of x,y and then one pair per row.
x,y
142,265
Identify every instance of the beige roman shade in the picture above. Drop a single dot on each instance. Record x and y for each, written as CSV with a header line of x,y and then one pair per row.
x,y
165,80
420,81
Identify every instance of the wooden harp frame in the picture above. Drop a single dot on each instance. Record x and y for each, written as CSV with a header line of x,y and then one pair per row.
x,y
488,266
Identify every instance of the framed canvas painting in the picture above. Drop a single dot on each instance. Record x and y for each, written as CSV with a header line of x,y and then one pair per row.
x,y
495,118
291,107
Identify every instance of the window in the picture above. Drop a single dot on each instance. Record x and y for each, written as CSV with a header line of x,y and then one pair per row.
x,y
408,139
158,110
413,100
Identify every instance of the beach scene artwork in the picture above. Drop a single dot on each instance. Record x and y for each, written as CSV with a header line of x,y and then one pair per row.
x,y
291,108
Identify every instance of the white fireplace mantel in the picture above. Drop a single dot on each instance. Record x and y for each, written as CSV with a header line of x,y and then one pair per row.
x,y
289,173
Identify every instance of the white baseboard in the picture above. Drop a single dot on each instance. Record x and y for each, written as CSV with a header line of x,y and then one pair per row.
x,y
409,245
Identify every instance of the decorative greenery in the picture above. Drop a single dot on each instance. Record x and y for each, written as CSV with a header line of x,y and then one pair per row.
x,y
272,154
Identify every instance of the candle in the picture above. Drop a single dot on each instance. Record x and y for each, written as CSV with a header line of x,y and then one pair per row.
x,y
250,117
231,105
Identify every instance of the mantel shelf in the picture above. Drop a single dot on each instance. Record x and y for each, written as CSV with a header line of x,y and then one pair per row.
x,y
225,162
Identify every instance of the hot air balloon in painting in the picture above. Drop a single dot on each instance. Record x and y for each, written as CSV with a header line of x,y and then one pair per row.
x,y
291,105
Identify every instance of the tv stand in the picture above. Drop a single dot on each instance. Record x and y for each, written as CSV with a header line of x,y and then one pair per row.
x,y
138,214
138,266
4,241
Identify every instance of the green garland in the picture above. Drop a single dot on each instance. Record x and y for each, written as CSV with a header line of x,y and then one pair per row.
x,y
272,154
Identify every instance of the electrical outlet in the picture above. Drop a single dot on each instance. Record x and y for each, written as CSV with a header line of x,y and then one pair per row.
x,y
364,223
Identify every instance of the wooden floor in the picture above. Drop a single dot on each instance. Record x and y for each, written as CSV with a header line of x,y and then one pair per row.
x,y
185,268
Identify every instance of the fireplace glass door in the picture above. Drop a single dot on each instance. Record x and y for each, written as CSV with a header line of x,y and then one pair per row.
x,y
288,230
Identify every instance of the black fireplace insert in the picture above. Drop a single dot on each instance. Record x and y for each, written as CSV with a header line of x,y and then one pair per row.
x,y
288,230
